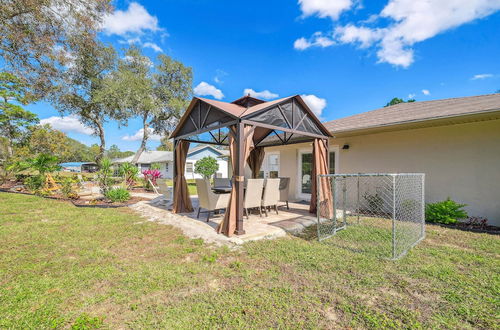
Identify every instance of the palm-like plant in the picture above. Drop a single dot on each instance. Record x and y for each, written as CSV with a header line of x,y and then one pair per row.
x,y
129,173
104,175
44,164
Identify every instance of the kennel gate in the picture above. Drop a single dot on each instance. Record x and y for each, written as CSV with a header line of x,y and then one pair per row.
x,y
381,214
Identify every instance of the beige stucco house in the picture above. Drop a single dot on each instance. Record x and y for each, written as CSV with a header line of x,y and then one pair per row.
x,y
455,142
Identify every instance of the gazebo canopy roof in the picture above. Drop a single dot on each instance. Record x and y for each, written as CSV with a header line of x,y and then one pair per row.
x,y
289,118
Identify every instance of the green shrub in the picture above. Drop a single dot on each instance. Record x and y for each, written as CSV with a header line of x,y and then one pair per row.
x,y
118,195
446,212
34,182
67,188
104,175
129,173
207,166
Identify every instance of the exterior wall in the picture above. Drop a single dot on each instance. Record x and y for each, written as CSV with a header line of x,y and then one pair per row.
x,y
289,165
460,161
166,169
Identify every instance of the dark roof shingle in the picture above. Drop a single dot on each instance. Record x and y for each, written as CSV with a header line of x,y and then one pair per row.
x,y
416,111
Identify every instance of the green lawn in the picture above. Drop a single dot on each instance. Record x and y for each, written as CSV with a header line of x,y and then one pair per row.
x,y
62,266
191,186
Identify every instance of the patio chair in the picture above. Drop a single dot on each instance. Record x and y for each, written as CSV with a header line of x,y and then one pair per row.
x,y
164,189
222,182
271,195
209,200
253,195
284,187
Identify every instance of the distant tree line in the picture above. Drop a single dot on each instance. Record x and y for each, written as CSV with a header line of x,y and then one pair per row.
x,y
397,100
51,51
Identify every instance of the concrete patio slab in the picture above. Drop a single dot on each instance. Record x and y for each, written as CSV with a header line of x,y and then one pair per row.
x,y
291,220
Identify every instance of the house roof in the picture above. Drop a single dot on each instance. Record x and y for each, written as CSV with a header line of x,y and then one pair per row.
x,y
413,112
148,157
155,156
222,152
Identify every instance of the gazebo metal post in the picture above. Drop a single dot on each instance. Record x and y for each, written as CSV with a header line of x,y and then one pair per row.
x,y
239,181
174,169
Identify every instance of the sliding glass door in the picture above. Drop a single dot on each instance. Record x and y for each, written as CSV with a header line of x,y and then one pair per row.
x,y
305,173
305,170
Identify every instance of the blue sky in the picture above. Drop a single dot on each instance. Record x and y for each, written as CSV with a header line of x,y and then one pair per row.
x,y
345,56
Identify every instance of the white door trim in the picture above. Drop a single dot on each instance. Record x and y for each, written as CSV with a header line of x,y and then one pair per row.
x,y
336,149
300,195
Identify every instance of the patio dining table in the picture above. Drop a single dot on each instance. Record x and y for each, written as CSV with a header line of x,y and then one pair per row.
x,y
221,190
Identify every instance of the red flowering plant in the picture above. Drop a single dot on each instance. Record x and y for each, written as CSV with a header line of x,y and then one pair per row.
x,y
152,175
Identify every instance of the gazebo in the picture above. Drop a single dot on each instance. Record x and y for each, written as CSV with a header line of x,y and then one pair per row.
x,y
247,126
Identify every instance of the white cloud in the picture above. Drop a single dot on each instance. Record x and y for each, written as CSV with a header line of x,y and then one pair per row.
x,y
67,124
411,95
266,95
301,44
135,19
316,40
140,134
219,74
153,46
426,92
204,89
482,76
138,41
314,103
130,41
410,22
363,36
325,8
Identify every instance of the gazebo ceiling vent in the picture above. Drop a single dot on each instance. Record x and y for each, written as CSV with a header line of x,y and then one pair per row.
x,y
248,101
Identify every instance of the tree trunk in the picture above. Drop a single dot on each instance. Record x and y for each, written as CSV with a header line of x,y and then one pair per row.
x,y
102,146
9,149
145,137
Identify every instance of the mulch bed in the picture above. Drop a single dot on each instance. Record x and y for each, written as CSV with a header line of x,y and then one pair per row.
x,y
103,203
141,190
475,229
80,202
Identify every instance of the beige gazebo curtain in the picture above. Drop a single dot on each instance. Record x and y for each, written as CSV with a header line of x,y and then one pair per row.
x,y
255,161
228,225
320,166
182,202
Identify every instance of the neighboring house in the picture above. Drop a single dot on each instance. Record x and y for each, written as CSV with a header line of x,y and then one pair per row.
x,y
165,160
201,151
79,167
455,142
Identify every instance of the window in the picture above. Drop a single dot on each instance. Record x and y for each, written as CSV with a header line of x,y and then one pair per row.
x,y
332,162
306,161
274,165
189,167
